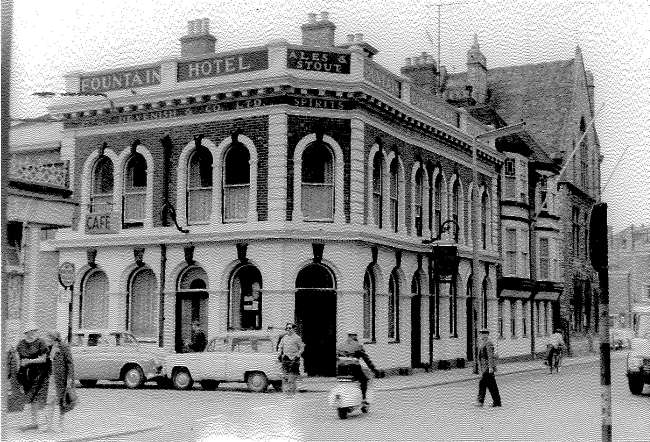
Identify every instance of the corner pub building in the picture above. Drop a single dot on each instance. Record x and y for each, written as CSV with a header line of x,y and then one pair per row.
x,y
300,183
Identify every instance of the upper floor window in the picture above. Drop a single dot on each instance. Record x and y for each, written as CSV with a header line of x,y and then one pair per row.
x,y
101,194
394,195
135,189
510,183
575,226
544,261
236,183
511,252
523,185
199,187
418,201
437,215
318,183
484,220
543,194
455,202
377,189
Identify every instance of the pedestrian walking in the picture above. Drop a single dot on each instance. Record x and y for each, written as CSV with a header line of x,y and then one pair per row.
x,y
289,352
33,372
61,394
486,368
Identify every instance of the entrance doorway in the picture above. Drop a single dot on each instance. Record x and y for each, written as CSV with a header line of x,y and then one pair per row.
x,y
191,305
315,317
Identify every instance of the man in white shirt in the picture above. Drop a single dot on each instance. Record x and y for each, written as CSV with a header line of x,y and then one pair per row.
x,y
289,352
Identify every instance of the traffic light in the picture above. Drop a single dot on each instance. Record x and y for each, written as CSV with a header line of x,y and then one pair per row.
x,y
598,237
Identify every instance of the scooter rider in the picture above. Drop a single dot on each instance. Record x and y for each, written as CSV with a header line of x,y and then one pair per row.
x,y
349,352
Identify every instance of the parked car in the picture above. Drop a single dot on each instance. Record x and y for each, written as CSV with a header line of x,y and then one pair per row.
x,y
115,356
236,356
638,359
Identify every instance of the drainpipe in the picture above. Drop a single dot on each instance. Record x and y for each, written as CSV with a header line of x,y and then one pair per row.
x,y
161,303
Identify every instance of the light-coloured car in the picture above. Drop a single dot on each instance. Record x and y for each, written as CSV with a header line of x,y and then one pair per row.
x,y
620,337
102,355
236,356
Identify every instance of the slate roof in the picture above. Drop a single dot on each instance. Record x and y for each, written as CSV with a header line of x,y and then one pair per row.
x,y
541,94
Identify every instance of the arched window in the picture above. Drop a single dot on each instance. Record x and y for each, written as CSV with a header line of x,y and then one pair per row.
x,y
142,305
101,194
317,199
369,306
394,195
135,189
438,203
199,186
393,307
236,183
93,302
246,299
484,220
419,188
455,202
377,188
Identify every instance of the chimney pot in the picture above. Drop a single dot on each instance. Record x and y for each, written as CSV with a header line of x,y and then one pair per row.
x,y
324,15
424,56
408,61
358,37
416,60
206,26
350,38
312,17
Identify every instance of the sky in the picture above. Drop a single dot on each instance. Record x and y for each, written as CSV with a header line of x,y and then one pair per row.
x,y
52,38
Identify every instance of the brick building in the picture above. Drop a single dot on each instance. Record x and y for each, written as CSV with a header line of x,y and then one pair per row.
x,y
306,183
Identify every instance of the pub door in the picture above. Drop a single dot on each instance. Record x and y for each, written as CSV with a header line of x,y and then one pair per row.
x,y
190,307
316,324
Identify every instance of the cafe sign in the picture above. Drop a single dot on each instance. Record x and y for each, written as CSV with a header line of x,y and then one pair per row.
x,y
100,223
127,79
223,65
318,61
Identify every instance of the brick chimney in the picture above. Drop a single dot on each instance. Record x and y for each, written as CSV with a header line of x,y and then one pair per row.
x,y
422,71
198,40
477,72
318,32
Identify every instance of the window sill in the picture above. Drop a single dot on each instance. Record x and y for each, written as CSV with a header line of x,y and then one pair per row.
x,y
198,223
372,342
233,221
395,341
311,220
132,225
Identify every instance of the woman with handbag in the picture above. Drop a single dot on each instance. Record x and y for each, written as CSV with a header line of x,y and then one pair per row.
x,y
32,374
61,394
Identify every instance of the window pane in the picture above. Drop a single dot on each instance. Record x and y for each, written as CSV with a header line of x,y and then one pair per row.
x,y
235,205
199,205
236,165
317,164
200,169
317,201
94,308
543,258
136,173
134,203
101,203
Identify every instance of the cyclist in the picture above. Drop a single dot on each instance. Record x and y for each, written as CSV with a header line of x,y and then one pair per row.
x,y
555,346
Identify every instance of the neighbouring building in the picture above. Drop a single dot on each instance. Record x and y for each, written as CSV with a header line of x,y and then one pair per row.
x,y
39,201
307,183
629,271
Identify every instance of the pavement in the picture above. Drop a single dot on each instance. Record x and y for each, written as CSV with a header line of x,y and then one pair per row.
x,y
91,420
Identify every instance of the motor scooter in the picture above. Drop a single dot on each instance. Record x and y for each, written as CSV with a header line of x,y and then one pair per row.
x,y
346,396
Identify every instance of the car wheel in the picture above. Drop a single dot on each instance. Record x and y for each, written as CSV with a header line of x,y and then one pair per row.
x,y
342,412
88,382
209,384
636,384
182,380
133,377
277,385
257,382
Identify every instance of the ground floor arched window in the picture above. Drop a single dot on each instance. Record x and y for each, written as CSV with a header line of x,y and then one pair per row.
x,y
191,305
93,301
369,299
246,298
142,305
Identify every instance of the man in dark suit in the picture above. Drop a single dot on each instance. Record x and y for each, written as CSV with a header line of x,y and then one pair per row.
x,y
199,341
486,367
